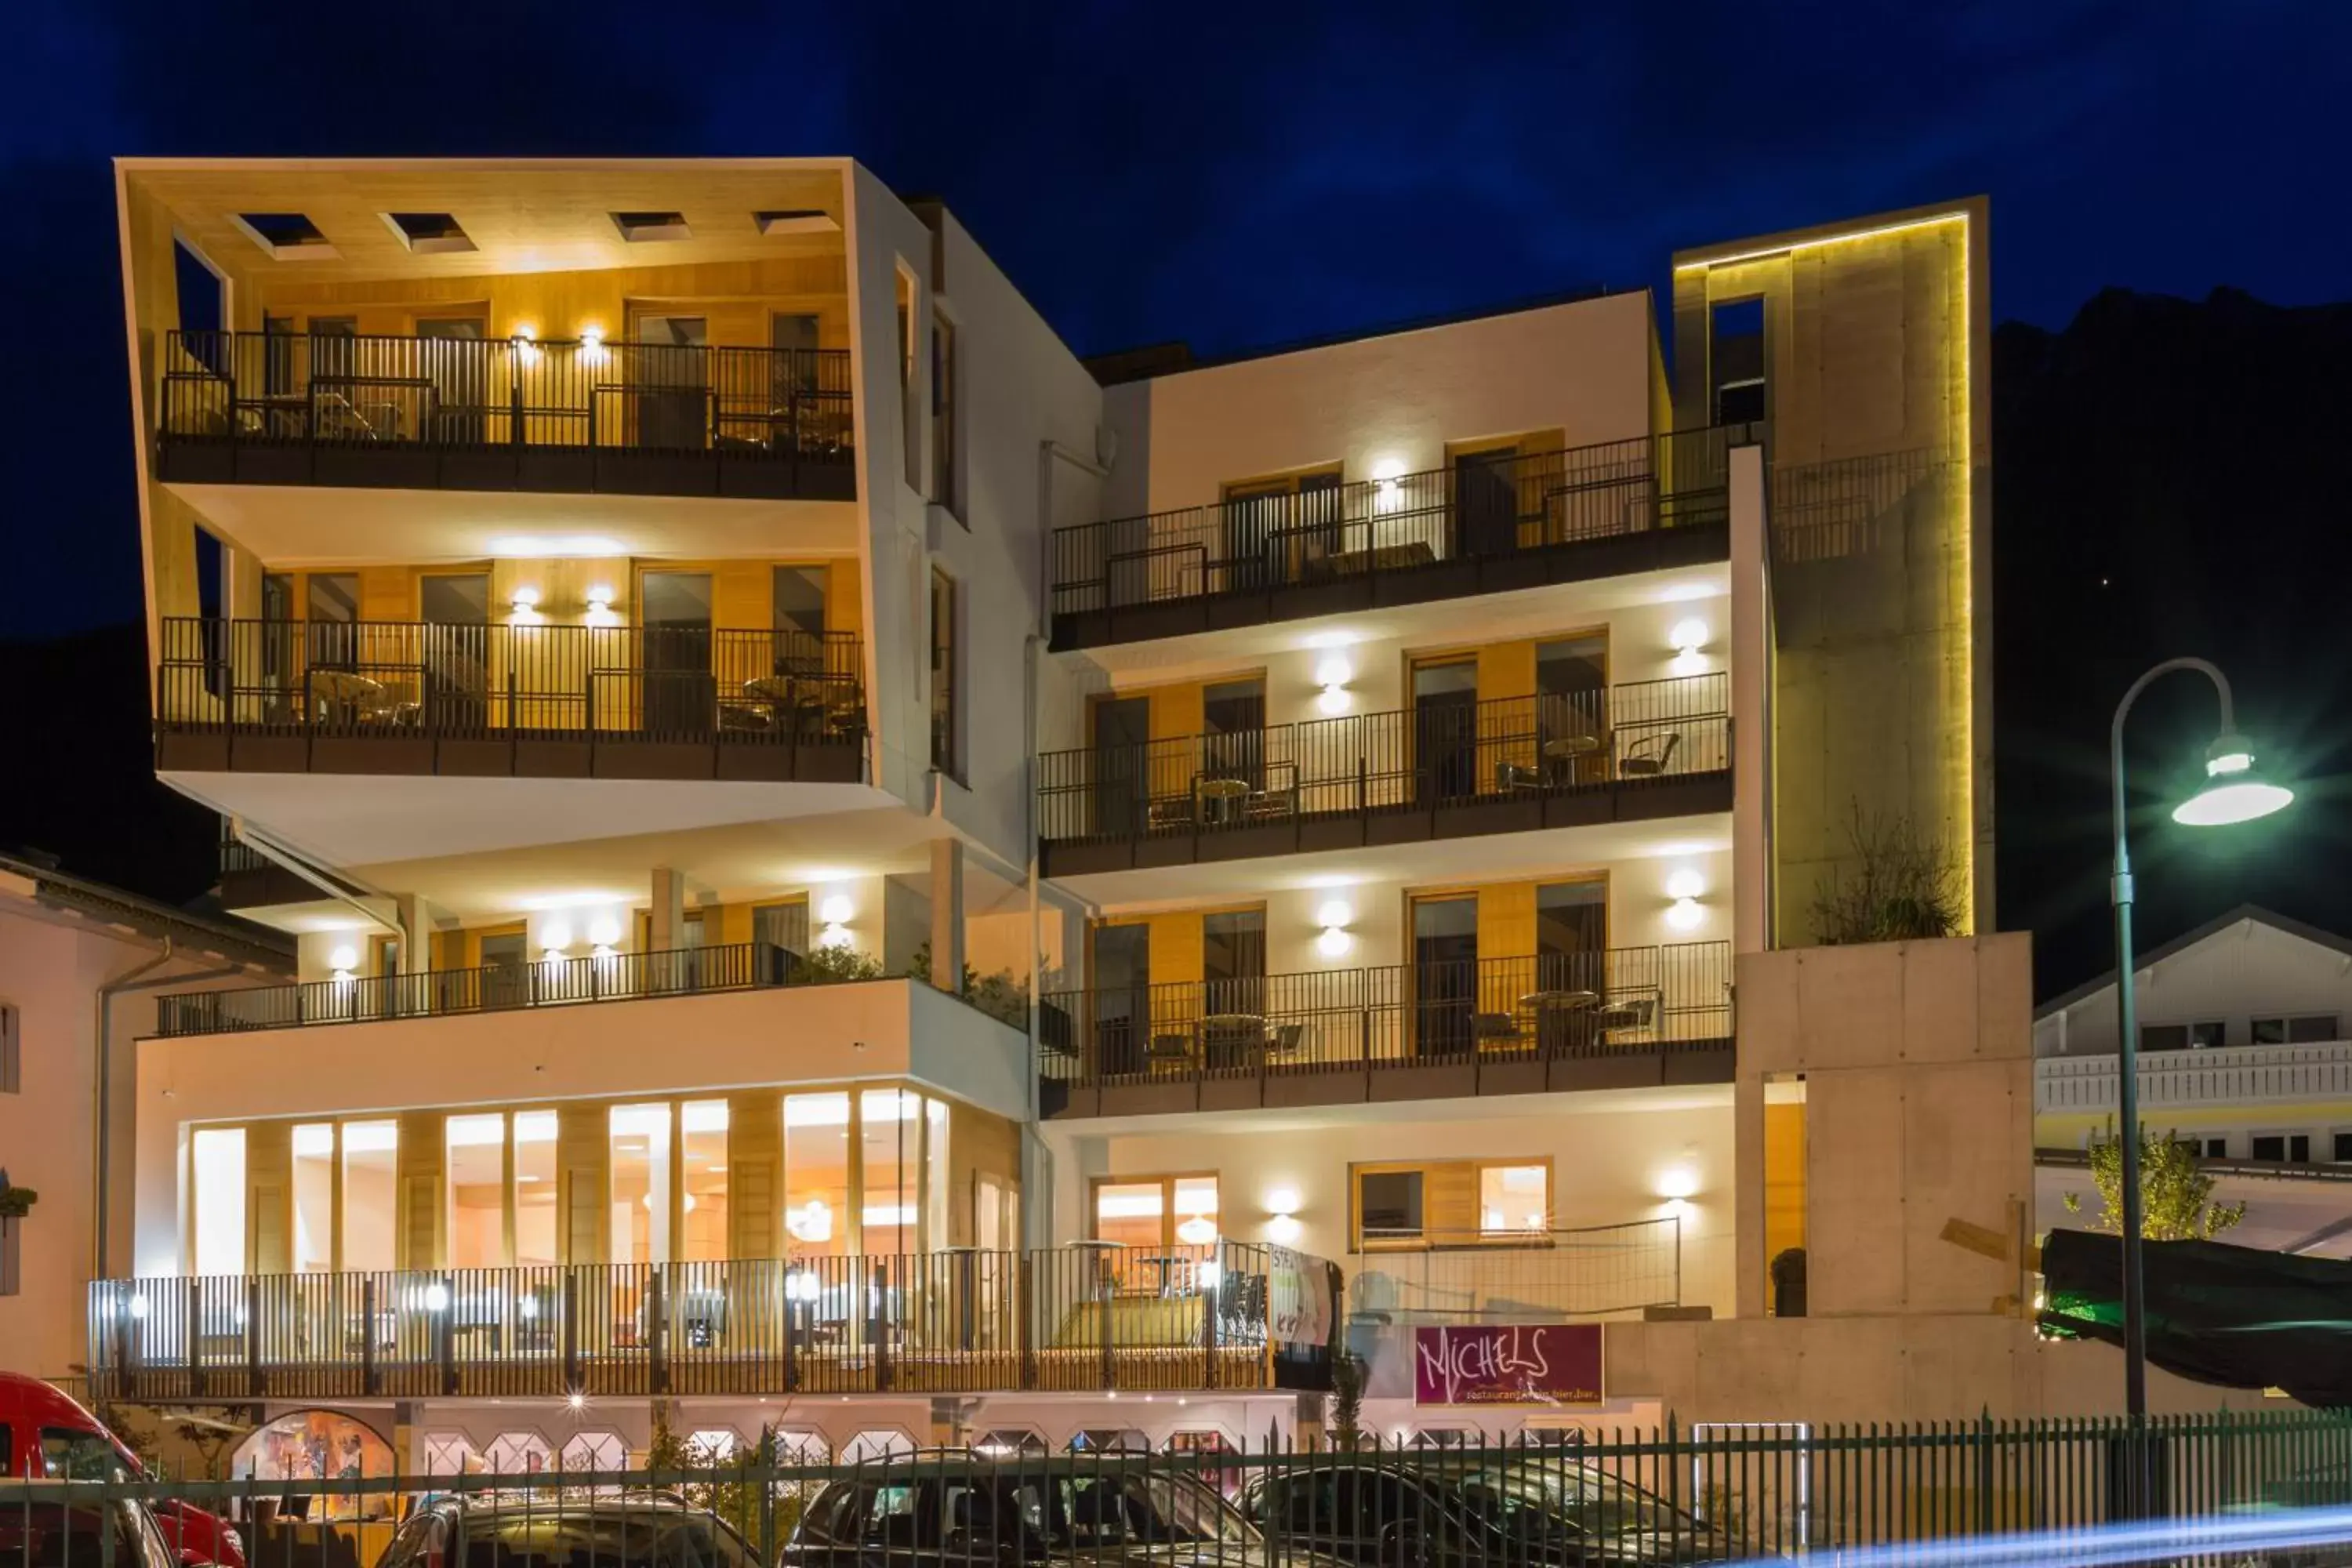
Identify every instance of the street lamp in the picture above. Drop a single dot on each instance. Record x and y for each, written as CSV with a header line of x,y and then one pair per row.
x,y
2233,791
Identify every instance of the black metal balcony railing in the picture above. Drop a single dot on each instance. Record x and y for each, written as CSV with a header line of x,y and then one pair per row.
x,y
1478,510
1504,750
1548,1008
785,411
432,993
388,678
1069,1318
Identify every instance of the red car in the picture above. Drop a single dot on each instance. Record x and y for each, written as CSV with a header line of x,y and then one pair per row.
x,y
46,1433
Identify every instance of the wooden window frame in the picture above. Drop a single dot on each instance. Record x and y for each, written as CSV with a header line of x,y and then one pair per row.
x,y
1478,1241
1167,1180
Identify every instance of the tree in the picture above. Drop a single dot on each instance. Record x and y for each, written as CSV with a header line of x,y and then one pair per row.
x,y
1902,885
1347,1399
2175,1193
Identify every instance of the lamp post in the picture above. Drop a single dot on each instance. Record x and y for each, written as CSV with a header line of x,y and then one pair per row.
x,y
2232,792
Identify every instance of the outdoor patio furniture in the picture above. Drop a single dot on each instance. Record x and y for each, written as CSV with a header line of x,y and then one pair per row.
x,y
1647,756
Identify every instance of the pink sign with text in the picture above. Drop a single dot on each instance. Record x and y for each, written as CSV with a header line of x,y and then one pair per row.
x,y
1524,1363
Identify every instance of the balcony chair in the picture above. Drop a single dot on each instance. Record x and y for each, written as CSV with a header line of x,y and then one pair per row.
x,y
1647,756
1627,1015
1496,1031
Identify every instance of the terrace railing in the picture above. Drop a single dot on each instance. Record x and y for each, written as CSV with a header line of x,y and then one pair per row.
x,y
1478,509
1554,1007
291,389
1500,1277
1504,749
1085,1318
394,679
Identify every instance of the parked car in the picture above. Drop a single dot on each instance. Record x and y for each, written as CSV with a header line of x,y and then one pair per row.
x,y
46,1433
1547,1511
519,1526
75,1533
942,1508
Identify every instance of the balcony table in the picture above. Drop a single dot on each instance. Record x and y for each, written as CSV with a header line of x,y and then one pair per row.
x,y
1220,796
1232,1039
1562,1015
1576,759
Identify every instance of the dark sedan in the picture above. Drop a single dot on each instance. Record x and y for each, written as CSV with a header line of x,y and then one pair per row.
x,y
1430,1511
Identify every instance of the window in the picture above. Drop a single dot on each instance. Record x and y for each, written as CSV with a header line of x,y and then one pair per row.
x,y
1156,1211
2343,1148
12,1061
2207,1037
534,1188
2204,1036
1736,360
944,450
816,1173
909,425
217,1162
891,1126
2293,1148
314,1197
703,1124
2296,1031
640,1183
945,740
784,925
370,1184
475,1148
2217,1149
1451,1202
799,596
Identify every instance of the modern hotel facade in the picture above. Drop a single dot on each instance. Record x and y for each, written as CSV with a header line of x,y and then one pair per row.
x,y
855,872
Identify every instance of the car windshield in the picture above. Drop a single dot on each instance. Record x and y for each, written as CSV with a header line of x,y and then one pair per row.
x,y
667,1538
1115,1508
1540,1494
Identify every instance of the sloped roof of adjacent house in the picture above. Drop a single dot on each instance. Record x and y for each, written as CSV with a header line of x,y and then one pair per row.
x,y
224,937
2215,926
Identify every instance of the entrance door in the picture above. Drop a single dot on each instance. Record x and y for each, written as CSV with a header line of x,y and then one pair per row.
x,y
681,696
456,609
1122,743
1571,955
1444,975
1233,723
1122,995
672,381
1232,985
458,366
506,968
1485,502
1444,731
1254,516
1571,708
793,417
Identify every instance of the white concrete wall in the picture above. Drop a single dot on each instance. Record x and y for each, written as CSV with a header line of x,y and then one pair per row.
x,y
1611,1151
880,1029
2247,970
1583,368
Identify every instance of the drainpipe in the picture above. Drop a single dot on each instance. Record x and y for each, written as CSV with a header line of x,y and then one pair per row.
x,y
103,1096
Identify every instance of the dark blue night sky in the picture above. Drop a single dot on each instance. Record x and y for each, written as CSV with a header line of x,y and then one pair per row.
x,y
1248,175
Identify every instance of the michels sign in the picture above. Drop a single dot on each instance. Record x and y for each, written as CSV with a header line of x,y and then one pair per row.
x,y
1544,1363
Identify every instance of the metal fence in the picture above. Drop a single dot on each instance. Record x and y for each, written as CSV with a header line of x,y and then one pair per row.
x,y
1502,749
1478,508
1086,1318
291,389
1553,1006
396,679
1440,1277
2231,1489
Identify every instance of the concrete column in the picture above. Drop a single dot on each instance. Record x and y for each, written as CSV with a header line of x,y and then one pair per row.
x,y
947,914
415,918
1751,706
668,916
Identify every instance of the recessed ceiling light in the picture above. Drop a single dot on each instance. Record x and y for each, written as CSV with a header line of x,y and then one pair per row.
x,y
640,228
428,234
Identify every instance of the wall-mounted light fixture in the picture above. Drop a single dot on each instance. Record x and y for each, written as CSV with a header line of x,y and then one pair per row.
x,y
837,912
600,607
526,344
342,961
1335,916
604,930
1282,1225
522,606
1332,673
1677,1184
1686,888
1689,637
592,345
1387,494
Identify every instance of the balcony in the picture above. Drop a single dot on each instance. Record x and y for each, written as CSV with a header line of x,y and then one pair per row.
x,y
1637,1017
2198,1079
448,993
526,701
1478,527
1640,752
1075,1318
415,413
1490,1277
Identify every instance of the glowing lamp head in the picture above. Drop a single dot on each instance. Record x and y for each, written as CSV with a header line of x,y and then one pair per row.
x,y
1689,635
1332,943
2234,790
837,910
1335,912
1685,883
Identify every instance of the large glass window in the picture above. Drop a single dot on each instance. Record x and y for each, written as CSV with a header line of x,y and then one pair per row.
x,y
1514,1200
217,1154
893,1135
371,1149
477,1185
640,1192
947,741
1156,1211
314,1197
534,1189
703,1124
816,1173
